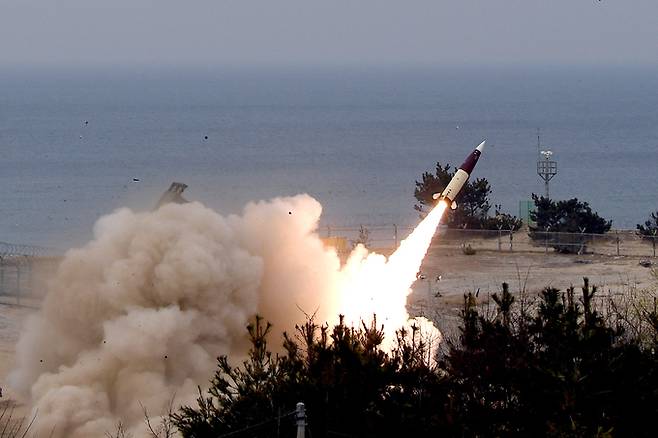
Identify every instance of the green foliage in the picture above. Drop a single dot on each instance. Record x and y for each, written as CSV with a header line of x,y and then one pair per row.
x,y
570,216
238,396
501,221
472,203
650,227
349,385
558,370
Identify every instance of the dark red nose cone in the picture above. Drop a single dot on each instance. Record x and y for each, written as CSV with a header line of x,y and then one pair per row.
x,y
469,164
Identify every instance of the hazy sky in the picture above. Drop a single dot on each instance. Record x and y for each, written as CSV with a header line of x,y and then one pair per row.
x,y
329,32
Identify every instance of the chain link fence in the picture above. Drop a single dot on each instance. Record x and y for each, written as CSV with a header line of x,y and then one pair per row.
x,y
16,250
23,269
387,237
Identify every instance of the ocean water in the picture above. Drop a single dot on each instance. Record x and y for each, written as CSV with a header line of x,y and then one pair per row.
x,y
355,140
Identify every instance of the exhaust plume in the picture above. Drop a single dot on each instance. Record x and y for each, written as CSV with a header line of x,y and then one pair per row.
x,y
141,312
373,285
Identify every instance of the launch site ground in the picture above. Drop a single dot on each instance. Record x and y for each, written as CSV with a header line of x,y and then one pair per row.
x,y
440,298
447,274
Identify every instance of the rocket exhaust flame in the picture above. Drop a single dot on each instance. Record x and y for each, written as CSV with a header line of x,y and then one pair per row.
x,y
375,285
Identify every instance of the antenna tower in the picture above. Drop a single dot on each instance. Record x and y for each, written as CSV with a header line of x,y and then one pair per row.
x,y
546,168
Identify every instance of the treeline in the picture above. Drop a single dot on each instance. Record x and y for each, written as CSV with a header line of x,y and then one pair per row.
x,y
474,206
558,367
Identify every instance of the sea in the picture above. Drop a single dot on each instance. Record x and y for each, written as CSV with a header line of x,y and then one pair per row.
x,y
77,144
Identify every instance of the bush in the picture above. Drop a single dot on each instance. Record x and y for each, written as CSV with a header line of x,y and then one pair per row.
x,y
570,216
560,371
502,221
650,227
349,385
555,369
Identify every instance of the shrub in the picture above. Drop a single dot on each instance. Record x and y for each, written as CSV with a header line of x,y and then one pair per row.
x,y
650,227
555,369
570,216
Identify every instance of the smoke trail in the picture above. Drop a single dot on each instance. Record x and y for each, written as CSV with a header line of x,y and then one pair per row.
x,y
142,311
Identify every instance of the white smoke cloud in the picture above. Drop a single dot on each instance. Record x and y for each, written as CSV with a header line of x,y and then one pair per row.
x,y
141,312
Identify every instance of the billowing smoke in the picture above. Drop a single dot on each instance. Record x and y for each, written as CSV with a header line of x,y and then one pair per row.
x,y
142,311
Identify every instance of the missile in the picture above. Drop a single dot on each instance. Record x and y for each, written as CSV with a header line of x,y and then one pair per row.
x,y
461,176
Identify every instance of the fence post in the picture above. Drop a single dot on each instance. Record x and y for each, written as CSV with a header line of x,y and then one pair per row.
x,y
511,239
582,241
18,283
617,240
28,261
546,241
300,416
328,231
653,242
500,235
395,235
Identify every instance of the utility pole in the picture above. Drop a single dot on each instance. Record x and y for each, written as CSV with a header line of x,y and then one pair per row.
x,y
300,416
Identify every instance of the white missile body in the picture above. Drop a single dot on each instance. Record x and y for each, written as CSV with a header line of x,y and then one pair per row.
x,y
461,176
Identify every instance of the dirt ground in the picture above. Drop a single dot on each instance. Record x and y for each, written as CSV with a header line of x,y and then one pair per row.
x,y
12,318
447,273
